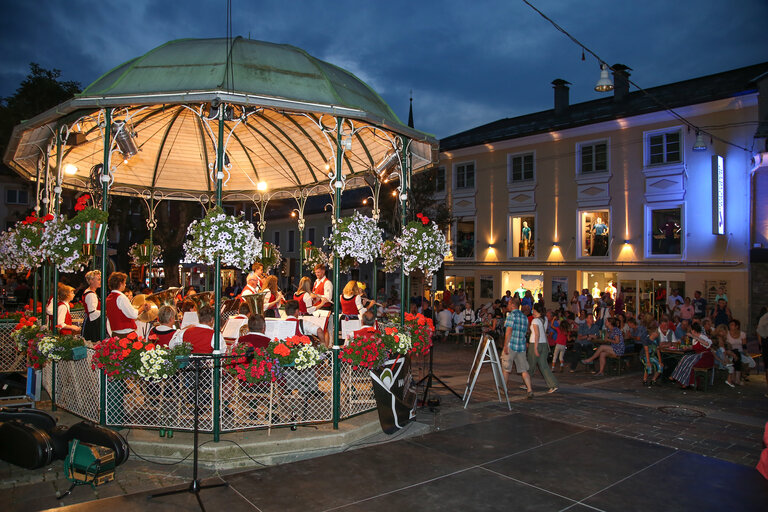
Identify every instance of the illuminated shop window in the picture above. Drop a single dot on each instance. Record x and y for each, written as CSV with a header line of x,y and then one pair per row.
x,y
522,236
665,230
594,232
465,239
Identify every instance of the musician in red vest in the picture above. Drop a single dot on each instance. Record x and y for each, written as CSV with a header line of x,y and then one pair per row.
x,y
165,328
323,289
304,296
303,327
252,284
255,336
121,315
368,321
352,301
63,317
200,336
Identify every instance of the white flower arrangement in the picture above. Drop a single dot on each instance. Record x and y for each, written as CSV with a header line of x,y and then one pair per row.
x,y
220,234
61,243
404,343
47,345
422,246
270,256
156,364
21,246
307,357
357,237
138,259
8,256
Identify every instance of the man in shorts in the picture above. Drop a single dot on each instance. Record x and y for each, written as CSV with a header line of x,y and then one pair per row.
x,y
516,327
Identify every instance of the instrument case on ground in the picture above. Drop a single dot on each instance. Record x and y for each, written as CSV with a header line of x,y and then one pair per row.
x,y
91,433
29,446
40,419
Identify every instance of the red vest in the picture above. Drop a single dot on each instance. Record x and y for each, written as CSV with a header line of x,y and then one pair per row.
x,y
319,289
299,297
117,319
67,320
255,340
98,303
348,306
163,337
200,339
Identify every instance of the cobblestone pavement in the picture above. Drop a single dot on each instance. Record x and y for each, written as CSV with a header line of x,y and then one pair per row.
x,y
723,423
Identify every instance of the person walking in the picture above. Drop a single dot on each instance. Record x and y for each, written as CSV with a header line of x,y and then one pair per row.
x,y
538,348
516,327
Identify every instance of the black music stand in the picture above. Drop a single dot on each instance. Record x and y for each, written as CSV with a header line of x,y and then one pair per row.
x,y
430,376
195,486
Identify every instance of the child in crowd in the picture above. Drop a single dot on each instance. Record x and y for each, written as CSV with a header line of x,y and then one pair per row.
x,y
724,360
561,338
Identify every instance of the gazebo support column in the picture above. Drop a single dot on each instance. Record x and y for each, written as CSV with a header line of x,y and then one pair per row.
x,y
405,185
217,288
104,207
337,185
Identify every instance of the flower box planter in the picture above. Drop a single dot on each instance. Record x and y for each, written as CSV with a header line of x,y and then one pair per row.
x,y
78,353
94,232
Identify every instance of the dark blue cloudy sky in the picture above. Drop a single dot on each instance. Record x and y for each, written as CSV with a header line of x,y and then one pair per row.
x,y
467,62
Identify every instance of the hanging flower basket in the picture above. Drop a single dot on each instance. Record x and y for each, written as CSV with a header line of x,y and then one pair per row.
x,y
357,237
270,256
139,253
422,246
92,221
229,237
94,232
22,245
313,256
61,244
390,252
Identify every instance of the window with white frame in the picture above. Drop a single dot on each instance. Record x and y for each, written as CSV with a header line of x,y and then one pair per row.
x,y
16,196
664,147
594,232
593,157
465,238
465,175
520,168
665,230
440,180
521,236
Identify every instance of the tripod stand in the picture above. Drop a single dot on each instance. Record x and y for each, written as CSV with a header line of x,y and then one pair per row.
x,y
430,376
194,486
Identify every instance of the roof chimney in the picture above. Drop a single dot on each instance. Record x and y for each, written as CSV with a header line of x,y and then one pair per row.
x,y
620,81
561,95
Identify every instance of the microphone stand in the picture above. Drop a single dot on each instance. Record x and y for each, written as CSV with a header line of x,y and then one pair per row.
x,y
430,376
195,486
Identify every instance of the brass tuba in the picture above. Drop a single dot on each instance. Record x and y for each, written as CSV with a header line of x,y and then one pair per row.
x,y
256,302
201,299
157,300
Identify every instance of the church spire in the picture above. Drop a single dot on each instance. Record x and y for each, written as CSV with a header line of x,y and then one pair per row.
x,y
410,111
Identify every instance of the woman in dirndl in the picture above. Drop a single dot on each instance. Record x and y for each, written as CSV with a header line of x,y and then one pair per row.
x,y
92,323
701,358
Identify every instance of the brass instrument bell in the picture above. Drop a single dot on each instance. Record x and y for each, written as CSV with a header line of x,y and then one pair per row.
x,y
156,300
256,302
201,299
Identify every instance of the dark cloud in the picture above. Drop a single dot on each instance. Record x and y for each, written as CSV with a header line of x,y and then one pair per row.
x,y
467,62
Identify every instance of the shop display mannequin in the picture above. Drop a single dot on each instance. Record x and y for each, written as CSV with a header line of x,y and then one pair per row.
x,y
595,291
611,290
600,247
525,240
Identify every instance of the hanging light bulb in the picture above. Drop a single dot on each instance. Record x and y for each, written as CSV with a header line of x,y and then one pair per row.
x,y
70,169
605,83
699,145
261,186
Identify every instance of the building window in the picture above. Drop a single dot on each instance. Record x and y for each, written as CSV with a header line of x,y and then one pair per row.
x,y
291,240
593,157
276,238
486,287
440,180
594,232
665,231
16,196
456,284
522,231
664,148
465,176
465,239
520,168
311,235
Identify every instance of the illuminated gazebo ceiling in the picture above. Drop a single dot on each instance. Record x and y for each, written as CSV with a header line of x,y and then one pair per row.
x,y
281,129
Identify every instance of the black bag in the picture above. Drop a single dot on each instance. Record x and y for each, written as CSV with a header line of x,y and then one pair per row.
x,y
28,446
40,419
89,432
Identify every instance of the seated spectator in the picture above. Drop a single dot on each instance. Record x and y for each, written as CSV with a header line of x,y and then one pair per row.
x,y
255,336
702,358
465,316
587,334
165,328
681,331
444,321
615,349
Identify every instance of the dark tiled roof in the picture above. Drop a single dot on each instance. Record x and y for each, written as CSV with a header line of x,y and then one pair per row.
x,y
689,92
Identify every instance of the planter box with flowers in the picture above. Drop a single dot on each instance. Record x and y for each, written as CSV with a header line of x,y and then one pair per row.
x,y
91,221
231,238
280,358
136,357
26,335
62,347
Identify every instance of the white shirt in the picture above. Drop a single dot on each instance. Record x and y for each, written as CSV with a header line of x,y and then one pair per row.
x,y
248,291
444,320
306,327
307,298
672,301
542,324
92,305
762,326
466,316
